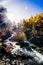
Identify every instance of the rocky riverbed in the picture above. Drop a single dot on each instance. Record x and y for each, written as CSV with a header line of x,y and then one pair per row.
x,y
18,55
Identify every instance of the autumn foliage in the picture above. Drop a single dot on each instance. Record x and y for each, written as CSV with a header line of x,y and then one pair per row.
x,y
33,22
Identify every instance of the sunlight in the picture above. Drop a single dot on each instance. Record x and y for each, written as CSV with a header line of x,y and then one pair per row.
x,y
12,17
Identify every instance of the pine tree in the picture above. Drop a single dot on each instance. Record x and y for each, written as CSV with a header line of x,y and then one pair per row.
x,y
5,24
2,14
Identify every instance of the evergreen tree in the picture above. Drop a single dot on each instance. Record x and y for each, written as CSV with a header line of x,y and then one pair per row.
x,y
2,14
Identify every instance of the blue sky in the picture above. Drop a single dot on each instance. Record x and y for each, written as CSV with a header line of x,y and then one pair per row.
x,y
22,9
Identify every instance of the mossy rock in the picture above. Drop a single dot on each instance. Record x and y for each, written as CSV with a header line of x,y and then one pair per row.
x,y
0,43
1,62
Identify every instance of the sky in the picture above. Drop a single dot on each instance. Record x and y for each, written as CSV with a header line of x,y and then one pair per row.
x,y
22,9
